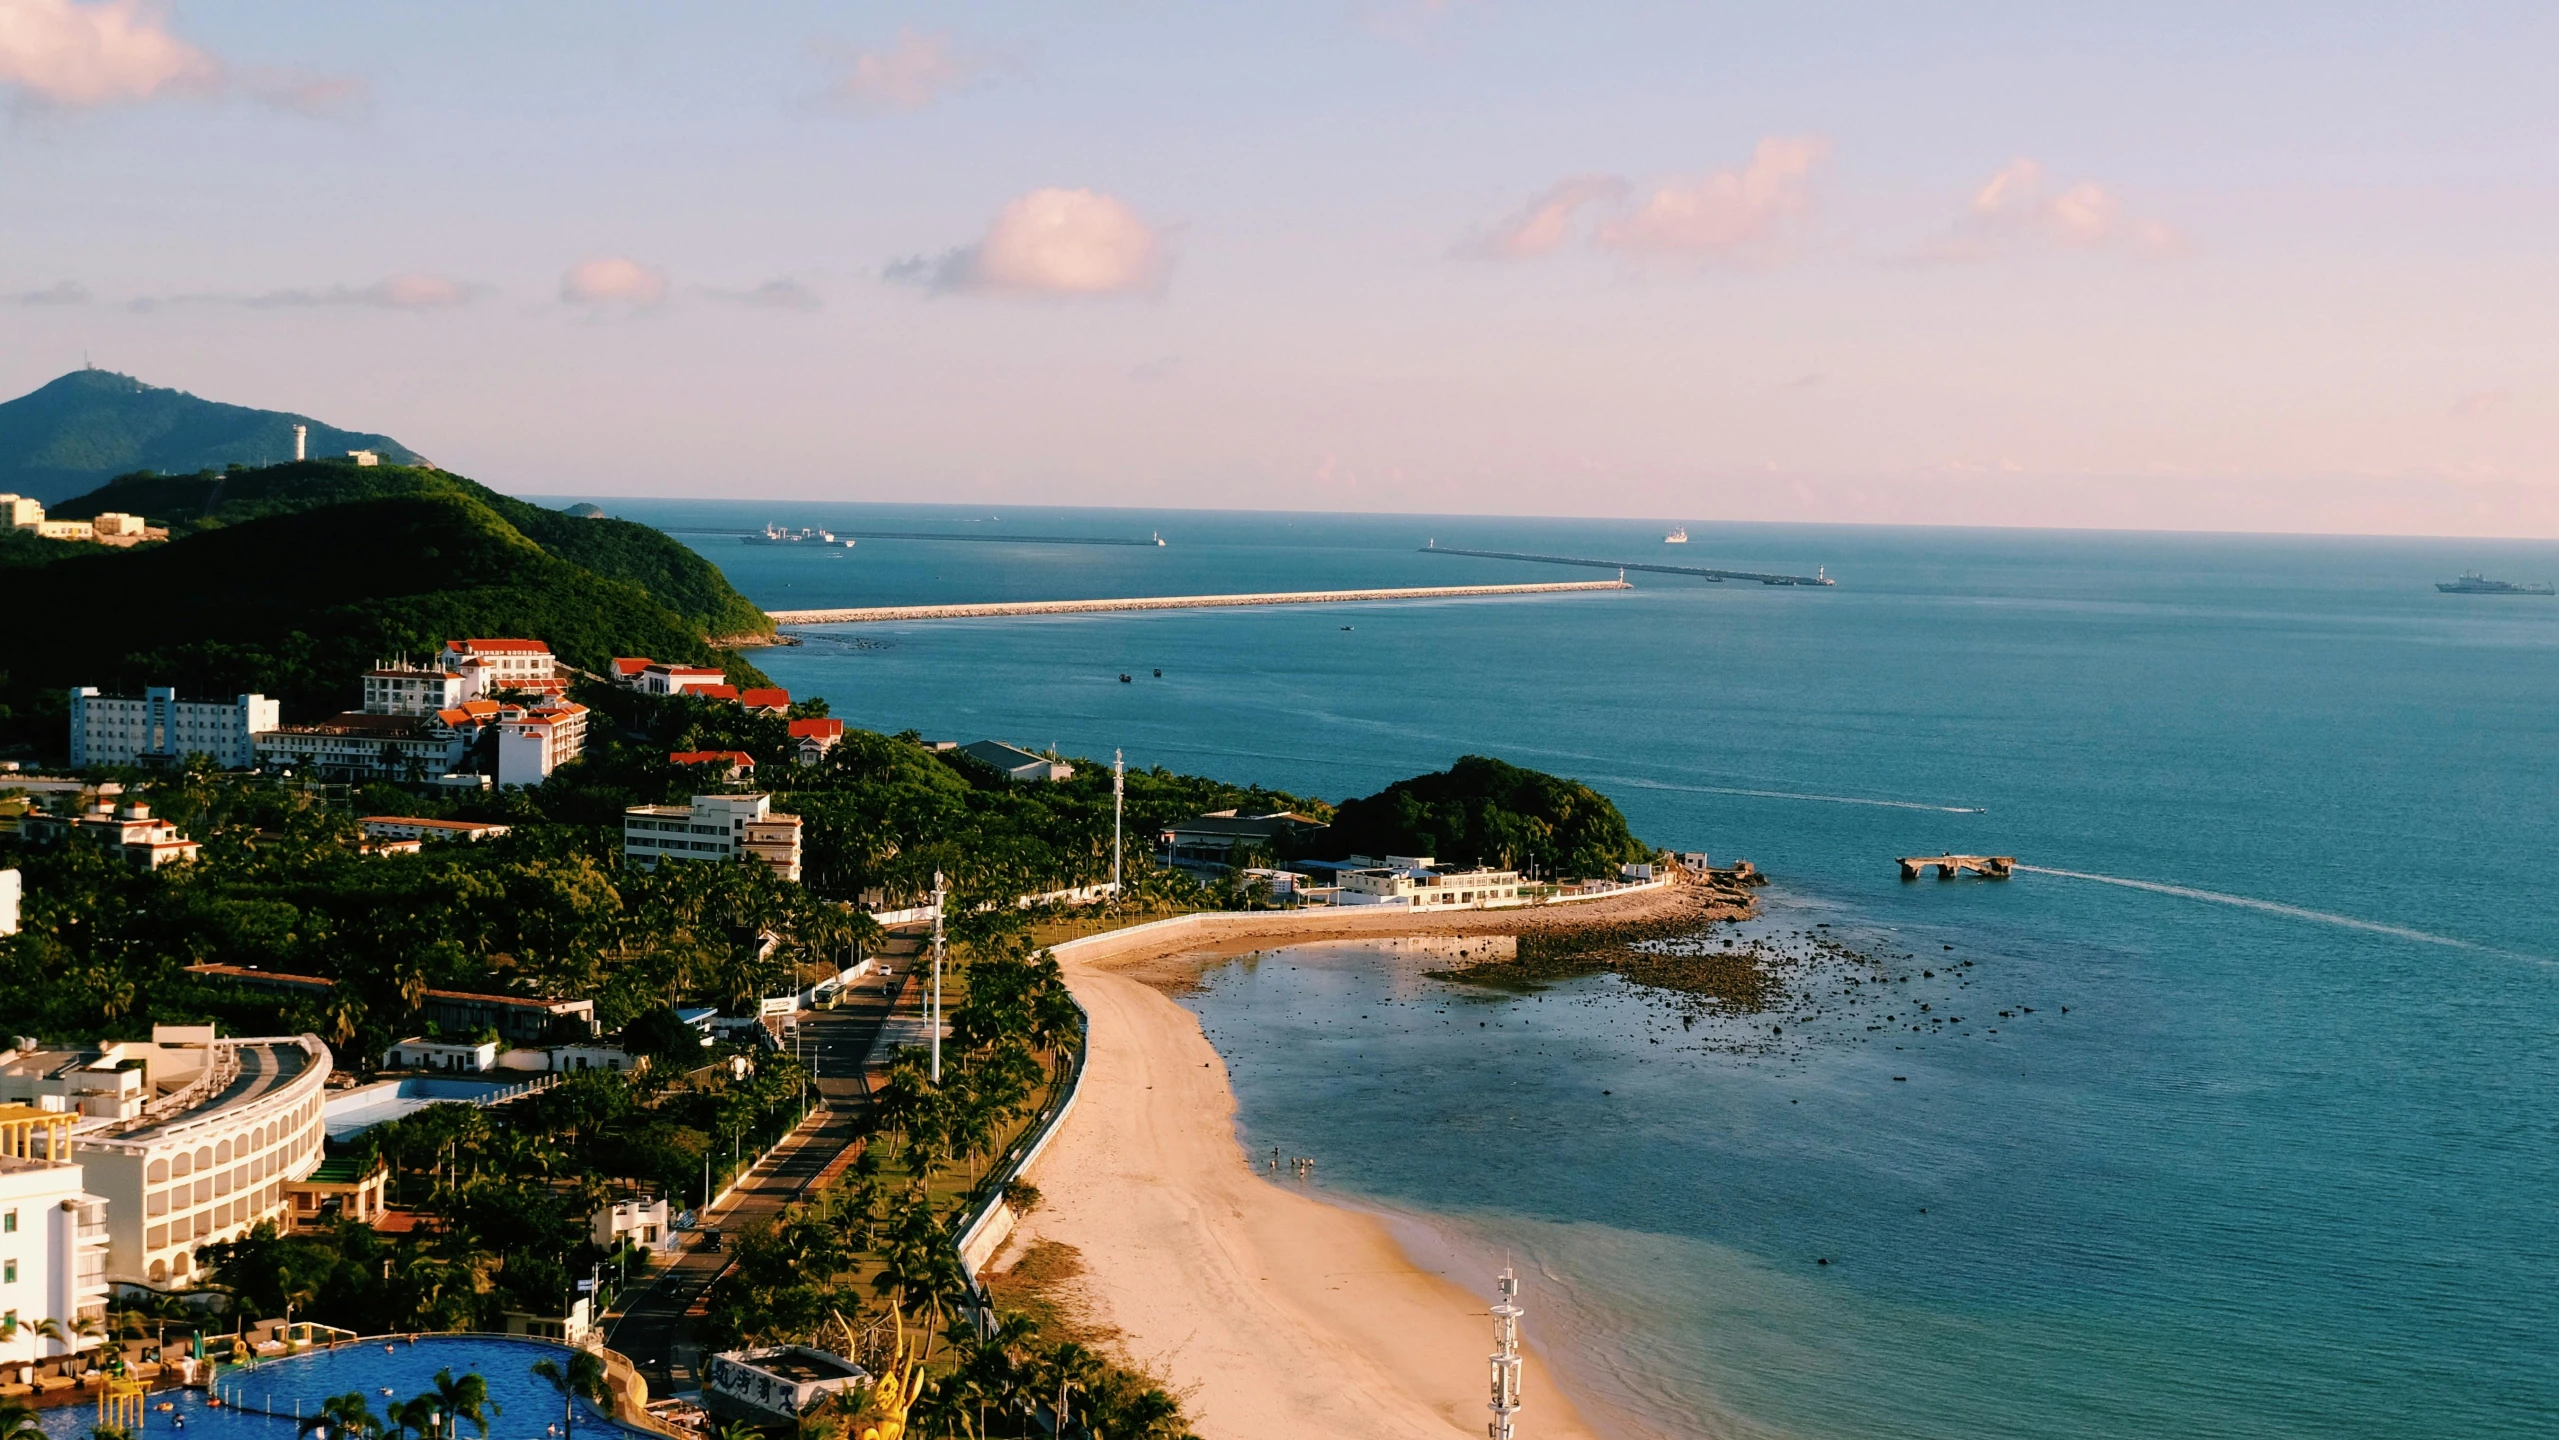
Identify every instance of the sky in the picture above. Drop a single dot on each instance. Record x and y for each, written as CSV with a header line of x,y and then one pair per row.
x,y
2259,266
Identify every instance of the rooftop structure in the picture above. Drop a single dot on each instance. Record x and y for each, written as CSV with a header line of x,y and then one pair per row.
x,y
1417,881
813,738
660,678
160,728
713,827
412,827
534,742
145,841
776,1384
625,669
1209,842
765,700
519,1019
1018,765
457,1057
188,1138
725,764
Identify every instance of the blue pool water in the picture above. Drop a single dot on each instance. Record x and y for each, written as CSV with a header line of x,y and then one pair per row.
x,y
2283,1168
527,1407
359,1110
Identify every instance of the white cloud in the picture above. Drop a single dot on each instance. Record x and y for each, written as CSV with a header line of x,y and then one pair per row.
x,y
2014,207
1748,215
1545,224
909,75
613,280
1052,242
120,52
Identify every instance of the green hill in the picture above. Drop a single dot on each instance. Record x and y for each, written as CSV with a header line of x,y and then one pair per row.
x,y
1486,811
91,425
297,604
673,574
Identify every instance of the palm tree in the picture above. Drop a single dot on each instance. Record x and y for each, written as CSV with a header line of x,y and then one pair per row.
x,y
584,1375
18,1422
459,1400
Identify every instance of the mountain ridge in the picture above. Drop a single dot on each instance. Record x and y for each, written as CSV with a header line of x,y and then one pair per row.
x,y
80,430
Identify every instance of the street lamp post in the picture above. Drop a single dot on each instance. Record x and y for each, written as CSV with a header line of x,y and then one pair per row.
x,y
941,902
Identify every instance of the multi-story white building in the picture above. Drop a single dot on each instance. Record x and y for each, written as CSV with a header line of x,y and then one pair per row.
x,y
1416,881
713,827
53,1240
23,512
356,745
417,827
188,1138
488,667
11,888
159,728
399,689
534,742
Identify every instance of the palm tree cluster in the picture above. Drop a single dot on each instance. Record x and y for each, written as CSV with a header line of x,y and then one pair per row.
x,y
879,1245
430,1415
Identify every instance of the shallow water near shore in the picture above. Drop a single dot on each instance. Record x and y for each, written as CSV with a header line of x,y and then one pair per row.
x,y
2272,1154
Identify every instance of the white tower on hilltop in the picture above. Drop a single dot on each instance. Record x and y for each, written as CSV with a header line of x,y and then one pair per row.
x,y
301,442
1506,1313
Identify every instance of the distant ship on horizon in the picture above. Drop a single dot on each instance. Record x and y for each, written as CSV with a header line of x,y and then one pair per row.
x,y
1676,537
2474,583
776,535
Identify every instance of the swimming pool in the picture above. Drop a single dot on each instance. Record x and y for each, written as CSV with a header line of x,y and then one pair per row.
x,y
366,1106
526,1407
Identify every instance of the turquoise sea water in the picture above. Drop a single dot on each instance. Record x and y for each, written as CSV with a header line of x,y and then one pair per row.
x,y
2285,1167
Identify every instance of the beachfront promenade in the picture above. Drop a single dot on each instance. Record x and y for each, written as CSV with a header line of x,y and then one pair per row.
x,y
877,613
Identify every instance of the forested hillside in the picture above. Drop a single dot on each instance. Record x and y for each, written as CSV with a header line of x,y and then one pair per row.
x,y
1485,811
76,432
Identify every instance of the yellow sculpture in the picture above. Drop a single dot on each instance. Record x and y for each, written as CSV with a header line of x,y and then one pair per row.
x,y
897,1388
121,1405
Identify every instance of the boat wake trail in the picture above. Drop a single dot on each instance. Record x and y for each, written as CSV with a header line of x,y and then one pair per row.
x,y
1797,795
2268,906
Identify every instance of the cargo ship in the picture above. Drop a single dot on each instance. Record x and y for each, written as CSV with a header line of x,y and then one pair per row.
x,y
776,535
1676,537
2474,583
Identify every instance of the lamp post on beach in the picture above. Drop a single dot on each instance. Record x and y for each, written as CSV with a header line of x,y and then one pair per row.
x,y
935,1023
1505,1402
1119,788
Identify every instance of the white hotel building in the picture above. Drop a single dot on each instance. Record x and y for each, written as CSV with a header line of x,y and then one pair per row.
x,y
188,1139
159,727
713,827
53,1238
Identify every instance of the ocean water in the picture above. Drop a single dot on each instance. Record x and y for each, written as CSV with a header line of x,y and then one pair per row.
x,y
2266,1142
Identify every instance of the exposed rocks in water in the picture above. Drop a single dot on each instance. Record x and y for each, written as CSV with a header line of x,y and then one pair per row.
x,y
1664,953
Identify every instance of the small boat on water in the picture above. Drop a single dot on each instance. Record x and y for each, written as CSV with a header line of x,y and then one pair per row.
x,y
1676,537
1157,536
776,535
2474,583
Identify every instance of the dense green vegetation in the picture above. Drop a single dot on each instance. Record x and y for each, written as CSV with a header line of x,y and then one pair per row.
x,y
1485,811
79,430
297,604
674,576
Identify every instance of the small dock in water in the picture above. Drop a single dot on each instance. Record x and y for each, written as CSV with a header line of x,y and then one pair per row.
x,y
1989,867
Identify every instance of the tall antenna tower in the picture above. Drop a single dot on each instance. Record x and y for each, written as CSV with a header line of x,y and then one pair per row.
x,y
301,442
1506,1313
1119,788
934,1021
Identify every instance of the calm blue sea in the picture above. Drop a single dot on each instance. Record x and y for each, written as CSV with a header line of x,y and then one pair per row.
x,y
2267,1148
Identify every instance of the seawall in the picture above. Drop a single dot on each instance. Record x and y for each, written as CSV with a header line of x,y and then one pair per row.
x,y
878,613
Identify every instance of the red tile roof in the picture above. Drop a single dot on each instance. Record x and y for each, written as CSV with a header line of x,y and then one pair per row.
x,y
712,757
821,729
714,692
495,646
765,697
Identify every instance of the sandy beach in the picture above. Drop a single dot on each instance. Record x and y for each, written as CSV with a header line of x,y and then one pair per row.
x,y
1271,1313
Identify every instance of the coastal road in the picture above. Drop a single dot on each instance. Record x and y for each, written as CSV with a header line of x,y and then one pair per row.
x,y
653,1327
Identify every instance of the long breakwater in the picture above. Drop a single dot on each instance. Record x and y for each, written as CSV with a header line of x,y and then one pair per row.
x,y
1817,578
878,613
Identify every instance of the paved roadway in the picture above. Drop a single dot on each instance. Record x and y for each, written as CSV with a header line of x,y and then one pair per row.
x,y
652,1328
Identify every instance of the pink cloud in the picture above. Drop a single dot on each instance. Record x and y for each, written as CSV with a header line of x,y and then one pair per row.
x,y
910,74
1544,224
1747,215
58,53
613,280
1052,242
67,55
2015,207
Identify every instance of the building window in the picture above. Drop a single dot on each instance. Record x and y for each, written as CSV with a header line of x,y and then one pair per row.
x,y
9,1222
8,1272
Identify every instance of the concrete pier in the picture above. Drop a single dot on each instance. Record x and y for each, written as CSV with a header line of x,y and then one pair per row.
x,y
880,613
1989,867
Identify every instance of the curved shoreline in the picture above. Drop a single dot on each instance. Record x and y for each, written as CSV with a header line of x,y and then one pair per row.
x,y
1272,1313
